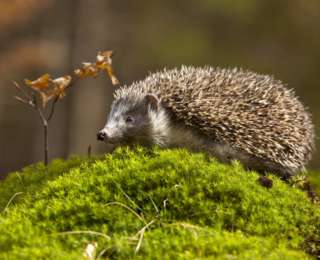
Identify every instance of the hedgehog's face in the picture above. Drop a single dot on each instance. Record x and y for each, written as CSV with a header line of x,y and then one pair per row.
x,y
129,121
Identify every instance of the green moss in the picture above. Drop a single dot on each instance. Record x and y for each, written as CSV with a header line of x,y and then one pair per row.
x,y
192,206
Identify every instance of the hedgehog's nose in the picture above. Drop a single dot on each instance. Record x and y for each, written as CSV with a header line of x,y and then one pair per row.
x,y
101,135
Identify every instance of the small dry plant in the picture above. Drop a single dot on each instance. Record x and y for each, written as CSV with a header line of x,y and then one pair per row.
x,y
43,94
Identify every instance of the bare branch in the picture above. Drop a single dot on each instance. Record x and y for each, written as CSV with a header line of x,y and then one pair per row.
x,y
42,117
27,102
31,100
89,151
36,106
21,90
52,108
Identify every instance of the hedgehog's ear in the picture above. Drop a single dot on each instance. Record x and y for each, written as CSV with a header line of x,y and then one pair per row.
x,y
152,101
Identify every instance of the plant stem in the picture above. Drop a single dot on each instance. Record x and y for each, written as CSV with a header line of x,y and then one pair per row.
x,y
46,146
52,108
31,100
44,121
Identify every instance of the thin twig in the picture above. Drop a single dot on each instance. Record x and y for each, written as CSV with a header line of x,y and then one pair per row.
x,y
126,207
42,117
46,143
27,102
31,100
141,232
154,205
89,151
21,90
44,122
85,232
145,227
52,108
139,242
11,199
102,252
128,197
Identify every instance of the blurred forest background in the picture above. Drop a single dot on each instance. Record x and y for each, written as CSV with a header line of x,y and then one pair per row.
x,y
268,36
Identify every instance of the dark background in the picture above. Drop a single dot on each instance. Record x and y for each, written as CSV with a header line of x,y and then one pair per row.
x,y
268,36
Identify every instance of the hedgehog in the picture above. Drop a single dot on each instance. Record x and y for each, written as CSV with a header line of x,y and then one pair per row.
x,y
230,114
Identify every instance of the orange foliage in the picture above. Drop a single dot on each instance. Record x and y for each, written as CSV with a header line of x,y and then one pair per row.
x,y
48,88
103,63
40,83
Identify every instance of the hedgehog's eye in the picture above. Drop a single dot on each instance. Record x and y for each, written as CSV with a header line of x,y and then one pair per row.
x,y
129,119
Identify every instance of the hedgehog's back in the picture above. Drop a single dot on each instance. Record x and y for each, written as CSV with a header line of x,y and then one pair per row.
x,y
250,112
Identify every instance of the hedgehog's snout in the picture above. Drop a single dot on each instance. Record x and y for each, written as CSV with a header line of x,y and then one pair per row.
x,y
102,135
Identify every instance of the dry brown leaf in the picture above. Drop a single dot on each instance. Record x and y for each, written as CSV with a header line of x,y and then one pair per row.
x,y
111,75
45,98
104,56
40,83
88,70
57,89
62,82
108,69
103,63
60,85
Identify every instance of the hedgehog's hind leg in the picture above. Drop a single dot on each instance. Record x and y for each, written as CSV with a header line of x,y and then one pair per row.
x,y
283,172
225,154
264,166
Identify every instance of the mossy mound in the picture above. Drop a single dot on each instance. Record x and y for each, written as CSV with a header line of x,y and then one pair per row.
x,y
158,204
